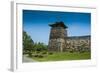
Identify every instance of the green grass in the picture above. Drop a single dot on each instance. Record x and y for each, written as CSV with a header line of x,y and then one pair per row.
x,y
64,56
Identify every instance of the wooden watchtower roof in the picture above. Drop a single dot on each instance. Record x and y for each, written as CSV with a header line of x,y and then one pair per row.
x,y
58,24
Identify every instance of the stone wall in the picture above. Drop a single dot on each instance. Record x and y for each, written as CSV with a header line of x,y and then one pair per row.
x,y
60,42
78,44
56,45
70,44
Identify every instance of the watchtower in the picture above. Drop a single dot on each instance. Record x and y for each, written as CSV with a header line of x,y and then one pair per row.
x,y
57,37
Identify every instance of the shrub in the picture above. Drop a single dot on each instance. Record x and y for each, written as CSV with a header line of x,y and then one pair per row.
x,y
36,55
40,56
44,52
72,50
30,54
50,53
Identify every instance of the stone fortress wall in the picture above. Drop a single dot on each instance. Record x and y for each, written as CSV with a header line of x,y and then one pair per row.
x,y
59,41
78,43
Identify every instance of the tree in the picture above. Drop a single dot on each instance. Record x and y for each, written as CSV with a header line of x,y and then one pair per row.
x,y
29,47
27,43
40,47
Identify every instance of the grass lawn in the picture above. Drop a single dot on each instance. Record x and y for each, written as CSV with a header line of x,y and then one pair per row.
x,y
64,56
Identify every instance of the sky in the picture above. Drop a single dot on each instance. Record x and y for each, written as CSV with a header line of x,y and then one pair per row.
x,y
36,23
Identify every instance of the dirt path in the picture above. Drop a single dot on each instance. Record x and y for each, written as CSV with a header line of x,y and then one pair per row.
x,y
27,59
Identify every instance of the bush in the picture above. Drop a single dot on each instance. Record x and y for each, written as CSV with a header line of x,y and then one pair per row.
x,y
71,51
38,55
44,52
30,54
50,53
37,51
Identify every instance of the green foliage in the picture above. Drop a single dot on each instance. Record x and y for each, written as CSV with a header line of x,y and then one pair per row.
x,y
59,56
40,47
29,46
38,55
50,53
27,43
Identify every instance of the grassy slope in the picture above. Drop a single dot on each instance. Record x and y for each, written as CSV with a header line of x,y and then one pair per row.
x,y
65,56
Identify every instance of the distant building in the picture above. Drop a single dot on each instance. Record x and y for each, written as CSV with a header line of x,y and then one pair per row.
x,y
59,41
